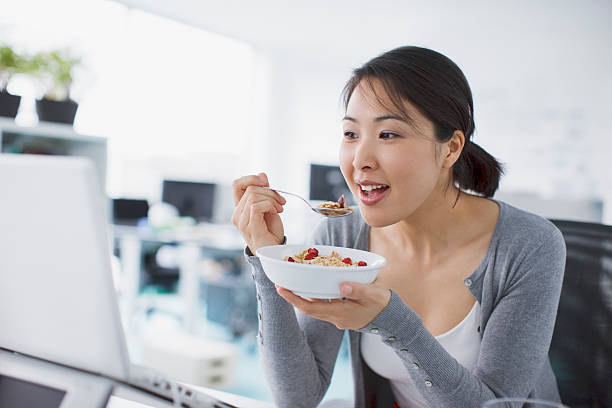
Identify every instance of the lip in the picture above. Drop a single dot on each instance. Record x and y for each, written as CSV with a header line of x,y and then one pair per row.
x,y
369,183
370,200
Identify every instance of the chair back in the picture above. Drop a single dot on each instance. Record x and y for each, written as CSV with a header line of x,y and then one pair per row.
x,y
581,348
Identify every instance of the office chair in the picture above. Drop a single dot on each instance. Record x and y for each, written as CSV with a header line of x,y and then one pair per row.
x,y
581,348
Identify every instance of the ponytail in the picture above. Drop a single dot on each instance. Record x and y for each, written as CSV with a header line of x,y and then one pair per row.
x,y
477,170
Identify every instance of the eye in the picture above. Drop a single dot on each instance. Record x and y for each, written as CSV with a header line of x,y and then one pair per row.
x,y
350,135
388,135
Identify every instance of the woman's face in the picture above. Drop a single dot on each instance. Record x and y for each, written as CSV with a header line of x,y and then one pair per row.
x,y
390,165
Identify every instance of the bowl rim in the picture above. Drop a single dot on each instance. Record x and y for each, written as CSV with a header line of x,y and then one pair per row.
x,y
336,268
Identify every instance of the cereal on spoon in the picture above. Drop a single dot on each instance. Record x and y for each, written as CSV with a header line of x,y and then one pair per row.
x,y
333,205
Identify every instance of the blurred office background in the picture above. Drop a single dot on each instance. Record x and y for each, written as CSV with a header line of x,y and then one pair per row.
x,y
185,96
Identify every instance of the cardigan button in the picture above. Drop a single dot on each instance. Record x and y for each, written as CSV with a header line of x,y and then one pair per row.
x,y
468,282
415,366
374,330
428,383
391,338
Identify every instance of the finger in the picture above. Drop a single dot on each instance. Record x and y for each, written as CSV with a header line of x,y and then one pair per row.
x,y
251,205
318,308
253,198
312,300
238,212
252,219
240,185
257,224
239,218
264,177
301,303
354,290
244,218
362,293
256,190
290,292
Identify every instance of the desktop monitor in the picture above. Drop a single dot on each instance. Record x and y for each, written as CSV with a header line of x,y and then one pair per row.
x,y
327,184
190,198
129,211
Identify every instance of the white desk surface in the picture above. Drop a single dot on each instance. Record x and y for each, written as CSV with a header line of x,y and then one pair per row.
x,y
233,399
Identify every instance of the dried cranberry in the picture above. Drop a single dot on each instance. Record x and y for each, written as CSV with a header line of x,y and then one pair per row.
x,y
290,259
362,263
309,256
347,261
313,251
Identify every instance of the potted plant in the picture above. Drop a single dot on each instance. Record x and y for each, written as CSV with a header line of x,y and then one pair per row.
x,y
11,63
54,70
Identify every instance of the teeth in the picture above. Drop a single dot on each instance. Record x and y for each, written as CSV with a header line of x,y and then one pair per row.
x,y
372,187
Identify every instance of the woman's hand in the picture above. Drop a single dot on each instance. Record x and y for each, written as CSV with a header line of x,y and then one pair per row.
x,y
362,303
256,212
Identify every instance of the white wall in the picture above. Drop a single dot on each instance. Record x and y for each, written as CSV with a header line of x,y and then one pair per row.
x,y
542,93
539,71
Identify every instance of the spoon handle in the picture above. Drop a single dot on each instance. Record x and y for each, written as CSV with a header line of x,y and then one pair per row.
x,y
293,194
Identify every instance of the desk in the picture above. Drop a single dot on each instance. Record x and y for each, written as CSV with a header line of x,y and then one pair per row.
x,y
191,243
124,401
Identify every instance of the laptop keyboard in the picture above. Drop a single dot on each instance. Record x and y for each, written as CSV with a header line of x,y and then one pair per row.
x,y
179,394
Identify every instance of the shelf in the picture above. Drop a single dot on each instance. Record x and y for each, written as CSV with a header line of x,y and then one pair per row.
x,y
54,139
48,129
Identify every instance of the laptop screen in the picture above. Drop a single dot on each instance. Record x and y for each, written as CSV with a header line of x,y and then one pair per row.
x,y
55,269
20,393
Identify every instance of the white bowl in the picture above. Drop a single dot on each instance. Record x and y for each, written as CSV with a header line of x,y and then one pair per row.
x,y
317,281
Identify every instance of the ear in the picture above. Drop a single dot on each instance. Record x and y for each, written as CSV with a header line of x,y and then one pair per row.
x,y
452,149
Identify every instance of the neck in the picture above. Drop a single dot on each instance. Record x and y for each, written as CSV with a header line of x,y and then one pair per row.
x,y
433,228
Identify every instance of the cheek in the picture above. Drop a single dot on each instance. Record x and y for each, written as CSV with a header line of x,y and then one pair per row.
x,y
346,162
410,172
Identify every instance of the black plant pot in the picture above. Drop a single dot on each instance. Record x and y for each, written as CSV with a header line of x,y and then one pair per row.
x,y
9,104
56,111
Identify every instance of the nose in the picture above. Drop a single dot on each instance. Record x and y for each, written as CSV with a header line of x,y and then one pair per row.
x,y
365,156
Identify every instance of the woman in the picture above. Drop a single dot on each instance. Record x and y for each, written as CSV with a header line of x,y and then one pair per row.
x,y
464,310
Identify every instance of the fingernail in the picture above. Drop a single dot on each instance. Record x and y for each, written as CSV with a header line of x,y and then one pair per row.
x,y
347,290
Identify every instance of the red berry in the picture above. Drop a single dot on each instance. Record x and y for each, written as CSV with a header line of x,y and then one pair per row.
x,y
313,251
362,263
309,256
347,261
290,259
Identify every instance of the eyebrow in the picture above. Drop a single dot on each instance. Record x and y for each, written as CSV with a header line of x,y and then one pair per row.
x,y
380,118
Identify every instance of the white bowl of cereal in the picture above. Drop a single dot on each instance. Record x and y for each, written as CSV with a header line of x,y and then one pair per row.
x,y
319,272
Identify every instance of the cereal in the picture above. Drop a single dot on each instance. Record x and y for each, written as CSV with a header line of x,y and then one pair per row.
x,y
332,204
311,256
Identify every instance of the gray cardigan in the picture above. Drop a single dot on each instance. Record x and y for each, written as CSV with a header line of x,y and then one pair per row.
x,y
517,285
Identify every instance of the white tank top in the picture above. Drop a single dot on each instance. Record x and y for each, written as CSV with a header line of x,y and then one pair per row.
x,y
462,342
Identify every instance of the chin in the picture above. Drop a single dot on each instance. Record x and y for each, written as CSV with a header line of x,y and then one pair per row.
x,y
377,218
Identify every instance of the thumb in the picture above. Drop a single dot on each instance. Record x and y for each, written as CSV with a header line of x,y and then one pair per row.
x,y
264,179
354,290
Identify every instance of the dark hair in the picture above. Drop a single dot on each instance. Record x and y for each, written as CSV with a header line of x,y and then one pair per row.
x,y
436,86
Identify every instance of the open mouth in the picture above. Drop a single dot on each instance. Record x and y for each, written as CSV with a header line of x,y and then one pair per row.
x,y
372,194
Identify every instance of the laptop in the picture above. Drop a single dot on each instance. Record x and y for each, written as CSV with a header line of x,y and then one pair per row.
x,y
57,298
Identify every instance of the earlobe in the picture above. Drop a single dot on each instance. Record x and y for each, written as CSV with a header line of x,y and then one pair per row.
x,y
455,146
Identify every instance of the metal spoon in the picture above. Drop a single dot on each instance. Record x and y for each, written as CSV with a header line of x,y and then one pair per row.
x,y
328,212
